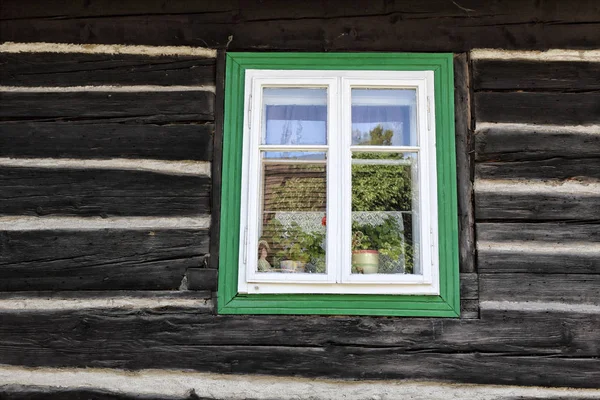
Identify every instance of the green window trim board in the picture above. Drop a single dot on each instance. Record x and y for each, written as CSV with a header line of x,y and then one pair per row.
x,y
447,304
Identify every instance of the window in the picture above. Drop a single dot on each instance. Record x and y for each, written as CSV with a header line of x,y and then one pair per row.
x,y
339,192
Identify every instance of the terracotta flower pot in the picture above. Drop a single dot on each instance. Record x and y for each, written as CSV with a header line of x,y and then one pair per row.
x,y
365,261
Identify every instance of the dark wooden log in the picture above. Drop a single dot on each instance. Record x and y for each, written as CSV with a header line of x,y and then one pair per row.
x,y
315,25
78,298
202,279
561,76
99,260
538,108
75,69
560,206
520,144
469,309
522,348
98,139
552,232
572,261
553,168
550,248
562,288
100,192
57,9
21,392
217,167
464,163
469,286
153,106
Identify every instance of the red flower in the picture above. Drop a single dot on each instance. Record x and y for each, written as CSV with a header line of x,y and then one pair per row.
x,y
324,221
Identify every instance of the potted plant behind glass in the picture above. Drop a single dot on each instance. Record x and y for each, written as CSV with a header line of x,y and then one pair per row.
x,y
370,242
365,258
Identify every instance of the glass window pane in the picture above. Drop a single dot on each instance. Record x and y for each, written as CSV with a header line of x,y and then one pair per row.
x,y
293,223
384,117
295,116
384,213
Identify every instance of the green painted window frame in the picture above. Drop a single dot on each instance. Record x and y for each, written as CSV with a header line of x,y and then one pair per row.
x,y
447,303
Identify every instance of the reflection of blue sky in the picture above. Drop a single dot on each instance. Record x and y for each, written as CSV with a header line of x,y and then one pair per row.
x,y
296,132
295,155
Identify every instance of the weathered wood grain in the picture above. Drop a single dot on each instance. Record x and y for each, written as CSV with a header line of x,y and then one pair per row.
x,y
76,297
57,8
99,192
202,279
469,309
552,232
541,206
99,260
562,288
538,107
561,347
56,69
315,25
464,163
552,168
535,75
491,260
538,248
521,143
469,286
22,392
99,139
217,164
154,106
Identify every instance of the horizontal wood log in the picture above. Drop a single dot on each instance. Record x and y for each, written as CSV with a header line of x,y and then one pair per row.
x,y
492,260
535,75
13,392
521,143
562,288
554,203
152,106
75,297
515,345
551,232
538,108
55,8
59,69
99,260
315,25
99,192
553,168
98,139
538,248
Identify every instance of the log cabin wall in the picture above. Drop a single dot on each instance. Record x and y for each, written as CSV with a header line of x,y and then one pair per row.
x,y
110,165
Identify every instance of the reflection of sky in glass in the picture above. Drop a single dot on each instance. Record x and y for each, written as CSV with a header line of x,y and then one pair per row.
x,y
392,109
295,116
295,132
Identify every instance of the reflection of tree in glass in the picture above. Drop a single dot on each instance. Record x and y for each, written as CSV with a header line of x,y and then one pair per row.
x,y
377,136
384,187
380,187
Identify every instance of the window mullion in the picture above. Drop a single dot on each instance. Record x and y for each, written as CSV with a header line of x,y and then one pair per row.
x,y
345,191
333,205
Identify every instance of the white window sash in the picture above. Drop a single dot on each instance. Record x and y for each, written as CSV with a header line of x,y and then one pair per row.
x,y
338,149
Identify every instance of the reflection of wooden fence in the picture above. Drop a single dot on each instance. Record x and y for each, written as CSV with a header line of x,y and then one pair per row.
x,y
294,187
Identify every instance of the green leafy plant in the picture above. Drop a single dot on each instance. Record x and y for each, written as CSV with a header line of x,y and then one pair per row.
x,y
387,238
293,243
